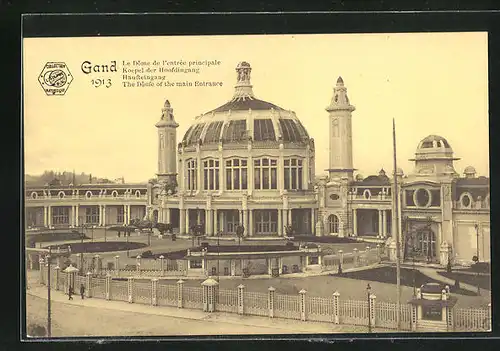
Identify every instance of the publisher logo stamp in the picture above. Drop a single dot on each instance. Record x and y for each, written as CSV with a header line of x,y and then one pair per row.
x,y
55,78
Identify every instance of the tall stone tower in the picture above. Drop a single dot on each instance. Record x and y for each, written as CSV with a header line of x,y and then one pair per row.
x,y
167,143
340,113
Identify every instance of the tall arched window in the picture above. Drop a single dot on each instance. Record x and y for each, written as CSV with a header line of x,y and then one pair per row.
x,y
333,223
293,174
265,173
191,174
211,175
236,174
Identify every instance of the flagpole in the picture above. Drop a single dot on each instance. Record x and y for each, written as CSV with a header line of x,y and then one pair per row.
x,y
396,229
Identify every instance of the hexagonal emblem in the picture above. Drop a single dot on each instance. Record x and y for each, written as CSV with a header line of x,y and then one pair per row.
x,y
55,78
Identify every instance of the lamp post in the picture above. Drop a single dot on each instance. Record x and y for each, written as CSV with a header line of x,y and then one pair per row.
x,y
49,317
218,255
126,235
368,290
476,260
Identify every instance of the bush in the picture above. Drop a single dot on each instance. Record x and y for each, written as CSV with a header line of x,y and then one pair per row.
x,y
147,254
36,330
481,267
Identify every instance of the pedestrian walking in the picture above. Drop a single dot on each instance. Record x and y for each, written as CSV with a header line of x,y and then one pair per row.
x,y
82,291
70,293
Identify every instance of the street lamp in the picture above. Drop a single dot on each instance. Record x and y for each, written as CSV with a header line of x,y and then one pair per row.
x,y
368,290
476,258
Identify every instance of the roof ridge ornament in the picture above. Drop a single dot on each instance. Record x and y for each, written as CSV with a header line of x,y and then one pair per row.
x,y
243,88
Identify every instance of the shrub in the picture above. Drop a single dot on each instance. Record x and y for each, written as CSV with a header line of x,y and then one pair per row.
x,y
481,267
147,254
36,330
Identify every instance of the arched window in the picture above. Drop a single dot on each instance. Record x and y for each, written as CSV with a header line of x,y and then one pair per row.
x,y
265,173
211,175
293,174
236,174
422,197
191,174
333,224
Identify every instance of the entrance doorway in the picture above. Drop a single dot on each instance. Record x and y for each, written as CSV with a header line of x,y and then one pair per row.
x,y
421,246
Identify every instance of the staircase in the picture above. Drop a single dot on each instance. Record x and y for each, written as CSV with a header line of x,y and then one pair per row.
x,y
431,326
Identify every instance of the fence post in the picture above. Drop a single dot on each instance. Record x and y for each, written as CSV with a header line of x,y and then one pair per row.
x,y
56,276
138,264
162,265
79,261
355,257
154,292
490,327
336,307
130,287
379,256
117,265
108,286
41,263
270,301
241,291
341,258
89,285
413,317
303,311
97,267
372,310
180,287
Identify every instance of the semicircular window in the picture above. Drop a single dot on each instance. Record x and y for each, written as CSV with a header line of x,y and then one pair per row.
x,y
334,197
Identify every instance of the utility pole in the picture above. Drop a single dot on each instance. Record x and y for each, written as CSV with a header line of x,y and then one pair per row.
x,y
398,250
49,318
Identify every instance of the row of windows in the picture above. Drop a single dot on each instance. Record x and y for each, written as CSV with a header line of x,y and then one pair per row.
x,y
265,174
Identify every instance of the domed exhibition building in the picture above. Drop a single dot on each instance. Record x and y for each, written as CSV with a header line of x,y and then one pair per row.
x,y
251,162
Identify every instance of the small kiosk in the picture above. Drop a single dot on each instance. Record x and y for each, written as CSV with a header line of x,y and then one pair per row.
x,y
432,308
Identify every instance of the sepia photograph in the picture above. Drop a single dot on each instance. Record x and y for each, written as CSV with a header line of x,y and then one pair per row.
x,y
256,184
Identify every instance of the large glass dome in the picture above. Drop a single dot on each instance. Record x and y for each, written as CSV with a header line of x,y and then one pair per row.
x,y
246,118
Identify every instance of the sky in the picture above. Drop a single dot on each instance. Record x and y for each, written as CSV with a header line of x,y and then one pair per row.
x,y
431,83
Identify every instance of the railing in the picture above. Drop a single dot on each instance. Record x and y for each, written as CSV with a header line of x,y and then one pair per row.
x,y
131,197
297,306
472,319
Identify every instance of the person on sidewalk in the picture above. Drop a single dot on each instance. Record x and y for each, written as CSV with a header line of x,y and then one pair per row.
x,y
82,291
70,293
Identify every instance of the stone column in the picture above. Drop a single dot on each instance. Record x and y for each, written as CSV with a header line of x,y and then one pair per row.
x,y
45,216
280,223
162,265
167,213
77,211
221,221
104,215
380,230
269,266
88,291
72,218
289,217
250,223
198,216
182,221
216,226
285,219
245,222
355,257
117,265
187,221
354,222
49,220
109,279
100,216
208,220
313,222
56,276
384,223
232,264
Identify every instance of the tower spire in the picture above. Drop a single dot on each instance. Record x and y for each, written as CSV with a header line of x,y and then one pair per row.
x,y
243,88
340,115
167,143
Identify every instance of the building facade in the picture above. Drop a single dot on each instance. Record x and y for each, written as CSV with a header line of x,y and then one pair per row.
x,y
250,162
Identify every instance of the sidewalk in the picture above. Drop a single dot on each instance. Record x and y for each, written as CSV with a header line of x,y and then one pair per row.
x,y
276,325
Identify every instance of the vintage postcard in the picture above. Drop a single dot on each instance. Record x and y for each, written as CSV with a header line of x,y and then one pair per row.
x,y
256,184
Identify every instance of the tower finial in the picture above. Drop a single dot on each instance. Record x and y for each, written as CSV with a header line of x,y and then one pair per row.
x,y
243,88
340,101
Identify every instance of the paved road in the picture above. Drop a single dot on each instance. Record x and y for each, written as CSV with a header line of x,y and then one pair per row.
x,y
80,319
